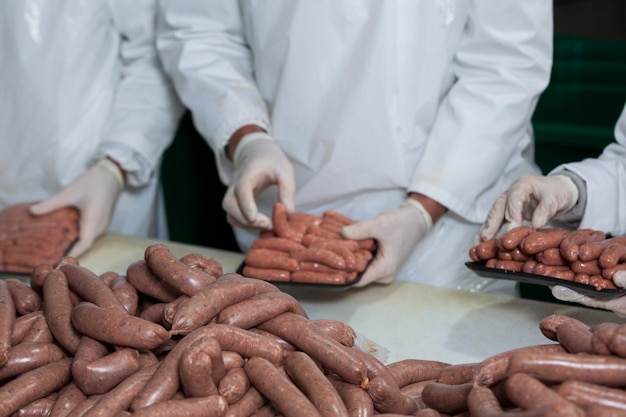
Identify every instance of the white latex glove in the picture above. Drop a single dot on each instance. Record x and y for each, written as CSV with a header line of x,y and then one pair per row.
x,y
396,232
259,163
94,194
616,305
536,198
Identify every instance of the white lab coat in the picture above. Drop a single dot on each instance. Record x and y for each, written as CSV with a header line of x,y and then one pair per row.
x,y
79,80
370,99
605,178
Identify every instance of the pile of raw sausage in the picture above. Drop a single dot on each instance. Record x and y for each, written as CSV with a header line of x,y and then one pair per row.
x,y
306,248
27,240
585,255
178,337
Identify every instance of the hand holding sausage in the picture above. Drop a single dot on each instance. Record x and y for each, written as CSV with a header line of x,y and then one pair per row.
x,y
397,232
94,193
258,163
532,197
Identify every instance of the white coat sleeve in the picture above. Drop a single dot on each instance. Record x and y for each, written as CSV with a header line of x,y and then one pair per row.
x,y
501,66
203,48
146,110
605,179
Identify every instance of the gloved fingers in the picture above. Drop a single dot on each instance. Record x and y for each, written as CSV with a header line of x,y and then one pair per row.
x,y
619,279
54,202
544,211
376,272
235,216
495,218
360,230
92,224
617,305
287,191
519,199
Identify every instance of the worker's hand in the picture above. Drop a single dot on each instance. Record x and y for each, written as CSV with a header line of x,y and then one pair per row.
x,y
616,305
535,198
396,232
258,163
94,194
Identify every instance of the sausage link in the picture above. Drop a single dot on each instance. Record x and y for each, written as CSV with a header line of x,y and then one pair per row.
x,y
213,406
28,356
530,393
205,305
278,389
37,408
338,330
541,240
22,325
585,395
120,397
389,399
69,397
57,306
39,332
90,287
248,404
33,385
271,259
558,367
198,261
458,373
600,335
494,369
259,308
511,239
266,274
196,373
26,299
447,398
571,243
116,328
96,371
126,293
234,385
146,282
307,376
575,336
303,334
173,272
276,243
357,401
592,250
323,256
7,321
408,371
314,277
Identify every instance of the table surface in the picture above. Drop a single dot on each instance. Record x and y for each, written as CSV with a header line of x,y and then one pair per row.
x,y
409,320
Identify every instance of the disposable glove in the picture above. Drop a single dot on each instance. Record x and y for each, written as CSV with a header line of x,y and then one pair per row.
x,y
616,305
396,232
535,198
258,163
94,193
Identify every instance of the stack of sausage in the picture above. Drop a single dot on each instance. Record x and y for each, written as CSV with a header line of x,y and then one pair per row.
x,y
306,248
27,240
585,255
177,337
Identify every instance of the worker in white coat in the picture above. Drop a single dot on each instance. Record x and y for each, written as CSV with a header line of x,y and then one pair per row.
x,y
409,117
86,113
579,195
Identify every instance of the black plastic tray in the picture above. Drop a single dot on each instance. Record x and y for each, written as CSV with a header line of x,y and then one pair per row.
x,y
483,271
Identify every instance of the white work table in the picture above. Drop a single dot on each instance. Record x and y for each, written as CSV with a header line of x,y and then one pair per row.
x,y
410,320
